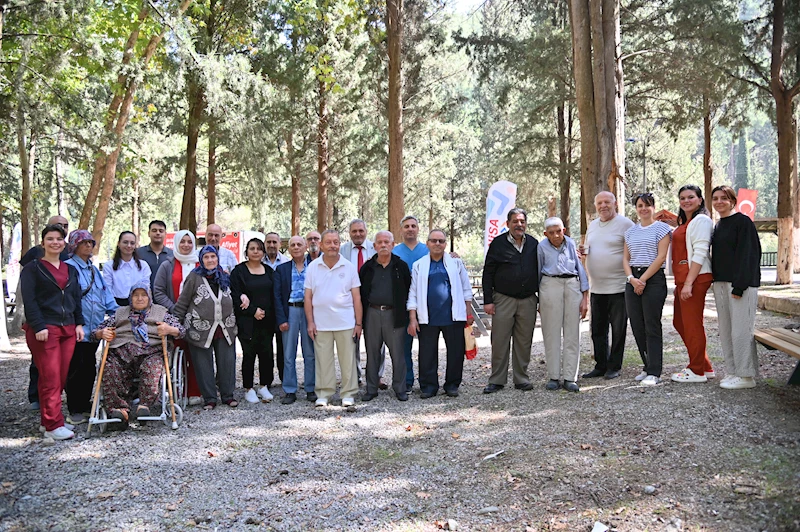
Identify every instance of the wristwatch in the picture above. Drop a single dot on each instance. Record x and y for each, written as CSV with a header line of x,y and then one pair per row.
x,y
630,277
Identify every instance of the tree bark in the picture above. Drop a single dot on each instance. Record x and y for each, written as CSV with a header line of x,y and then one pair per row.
x,y
197,104
563,165
212,173
708,171
584,95
322,157
294,170
601,95
615,84
58,169
135,214
394,39
796,213
22,148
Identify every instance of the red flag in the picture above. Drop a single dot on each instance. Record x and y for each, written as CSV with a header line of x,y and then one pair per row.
x,y
746,202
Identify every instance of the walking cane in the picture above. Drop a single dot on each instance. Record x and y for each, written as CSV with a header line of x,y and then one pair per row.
x,y
97,387
169,382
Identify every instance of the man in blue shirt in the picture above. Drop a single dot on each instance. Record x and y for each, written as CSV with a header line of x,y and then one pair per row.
x,y
410,250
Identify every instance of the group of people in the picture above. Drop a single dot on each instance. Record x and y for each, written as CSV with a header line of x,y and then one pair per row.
x,y
327,295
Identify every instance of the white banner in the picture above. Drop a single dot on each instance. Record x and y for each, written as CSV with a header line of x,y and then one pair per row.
x,y
502,198
12,273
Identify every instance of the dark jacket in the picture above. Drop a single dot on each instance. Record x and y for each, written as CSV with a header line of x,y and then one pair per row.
x,y
37,252
282,289
45,302
510,272
245,318
401,282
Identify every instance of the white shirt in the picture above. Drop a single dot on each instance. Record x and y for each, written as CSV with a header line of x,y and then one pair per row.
x,y
606,243
279,259
460,288
350,251
226,258
120,281
331,296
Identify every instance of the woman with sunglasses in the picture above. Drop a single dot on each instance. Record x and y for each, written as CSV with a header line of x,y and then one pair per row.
x,y
736,266
644,258
691,266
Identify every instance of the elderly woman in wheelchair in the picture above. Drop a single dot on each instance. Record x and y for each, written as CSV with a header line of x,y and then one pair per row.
x,y
134,334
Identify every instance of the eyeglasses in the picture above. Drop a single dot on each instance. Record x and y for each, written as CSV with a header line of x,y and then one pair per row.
x,y
437,241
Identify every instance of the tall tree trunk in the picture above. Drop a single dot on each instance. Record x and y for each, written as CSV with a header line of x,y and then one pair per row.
x,y
615,85
584,95
294,170
212,173
563,165
135,214
197,104
708,171
601,94
796,214
58,170
394,39
322,156
786,126
23,146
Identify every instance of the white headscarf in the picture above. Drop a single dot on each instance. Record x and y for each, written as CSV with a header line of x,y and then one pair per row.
x,y
187,262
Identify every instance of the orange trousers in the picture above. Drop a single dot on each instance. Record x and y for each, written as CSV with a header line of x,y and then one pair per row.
x,y
688,321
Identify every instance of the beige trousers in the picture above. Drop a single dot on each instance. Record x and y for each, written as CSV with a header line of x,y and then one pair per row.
x,y
737,321
513,318
560,301
325,366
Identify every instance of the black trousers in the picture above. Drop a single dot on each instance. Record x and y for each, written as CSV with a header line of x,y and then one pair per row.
x,y
644,313
259,346
429,356
33,384
80,377
609,310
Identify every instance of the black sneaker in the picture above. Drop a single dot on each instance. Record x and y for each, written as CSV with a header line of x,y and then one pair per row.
x,y
288,399
368,397
311,397
552,384
492,388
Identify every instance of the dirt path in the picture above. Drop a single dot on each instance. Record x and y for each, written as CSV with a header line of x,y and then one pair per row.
x,y
692,457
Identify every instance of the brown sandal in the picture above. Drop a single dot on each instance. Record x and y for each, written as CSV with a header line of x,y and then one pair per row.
x,y
210,406
233,403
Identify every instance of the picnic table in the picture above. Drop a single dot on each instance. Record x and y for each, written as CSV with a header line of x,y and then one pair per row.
x,y
786,340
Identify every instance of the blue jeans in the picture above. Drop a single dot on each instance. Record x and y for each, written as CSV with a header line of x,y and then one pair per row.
x,y
297,326
409,361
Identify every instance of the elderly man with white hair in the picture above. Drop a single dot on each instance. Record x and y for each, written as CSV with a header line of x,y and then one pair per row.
x,y
563,302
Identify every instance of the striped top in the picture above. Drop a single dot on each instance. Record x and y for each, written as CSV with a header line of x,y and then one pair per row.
x,y
643,243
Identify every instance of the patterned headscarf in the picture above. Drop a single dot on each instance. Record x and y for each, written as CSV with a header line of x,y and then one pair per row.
x,y
217,275
76,237
137,317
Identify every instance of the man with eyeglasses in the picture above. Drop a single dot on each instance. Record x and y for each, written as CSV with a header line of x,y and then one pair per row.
x,y
510,286
37,252
439,302
603,251
313,243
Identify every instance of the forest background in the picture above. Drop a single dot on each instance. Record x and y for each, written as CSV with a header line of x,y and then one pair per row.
x,y
283,114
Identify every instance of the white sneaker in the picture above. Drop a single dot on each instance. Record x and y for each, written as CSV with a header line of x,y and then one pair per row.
x,y
641,376
66,425
251,396
348,401
687,375
321,402
61,433
711,375
265,395
738,383
650,380
195,401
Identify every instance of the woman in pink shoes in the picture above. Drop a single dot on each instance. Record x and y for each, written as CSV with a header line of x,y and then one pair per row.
x,y
736,266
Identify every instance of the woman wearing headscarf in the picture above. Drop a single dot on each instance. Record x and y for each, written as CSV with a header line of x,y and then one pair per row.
x,y
167,287
134,333
691,266
205,307
97,303
255,319
52,298
125,269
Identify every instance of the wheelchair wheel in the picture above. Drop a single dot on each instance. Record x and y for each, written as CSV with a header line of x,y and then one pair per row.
x,y
178,415
179,378
102,416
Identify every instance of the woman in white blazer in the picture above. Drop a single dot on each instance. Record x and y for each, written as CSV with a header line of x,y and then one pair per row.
x,y
438,302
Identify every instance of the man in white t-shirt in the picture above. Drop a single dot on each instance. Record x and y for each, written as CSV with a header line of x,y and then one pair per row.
x,y
603,250
333,312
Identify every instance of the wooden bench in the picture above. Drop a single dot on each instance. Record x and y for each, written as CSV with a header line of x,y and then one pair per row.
x,y
785,340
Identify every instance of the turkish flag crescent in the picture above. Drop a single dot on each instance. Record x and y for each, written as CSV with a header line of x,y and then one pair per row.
x,y
746,202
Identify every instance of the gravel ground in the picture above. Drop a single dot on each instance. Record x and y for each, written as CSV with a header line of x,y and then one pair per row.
x,y
677,456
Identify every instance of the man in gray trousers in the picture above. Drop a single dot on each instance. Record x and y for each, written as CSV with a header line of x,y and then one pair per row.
x,y
510,285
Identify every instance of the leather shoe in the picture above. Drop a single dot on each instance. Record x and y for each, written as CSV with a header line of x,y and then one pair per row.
x,y
402,396
491,388
452,393
595,373
382,385
525,386
311,397
426,395
368,397
613,374
552,384
571,386
289,398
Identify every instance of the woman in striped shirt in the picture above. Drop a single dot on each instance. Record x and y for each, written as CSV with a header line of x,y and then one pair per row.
x,y
646,246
